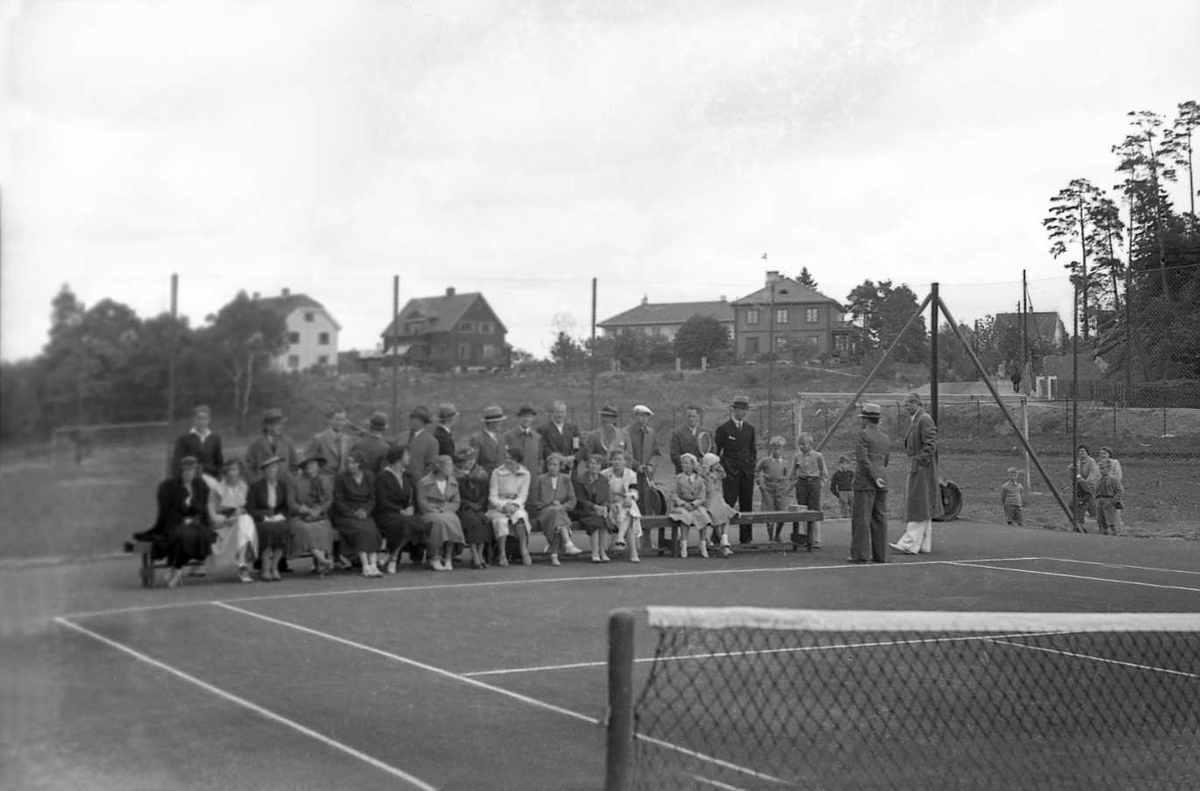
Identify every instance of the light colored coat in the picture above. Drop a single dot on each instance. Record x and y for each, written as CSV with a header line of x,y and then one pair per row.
x,y
422,452
924,499
552,503
507,487
335,448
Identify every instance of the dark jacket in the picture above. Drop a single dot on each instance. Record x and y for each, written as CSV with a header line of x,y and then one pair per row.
x,y
208,452
870,458
567,442
174,507
738,448
393,495
445,440
256,500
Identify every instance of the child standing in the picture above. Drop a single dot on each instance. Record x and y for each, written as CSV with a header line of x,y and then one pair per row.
x,y
808,468
841,484
1109,492
1012,497
771,474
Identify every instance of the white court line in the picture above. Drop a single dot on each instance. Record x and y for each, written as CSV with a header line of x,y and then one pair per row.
x,y
761,652
412,780
857,568
708,781
541,704
977,565
1093,658
1119,565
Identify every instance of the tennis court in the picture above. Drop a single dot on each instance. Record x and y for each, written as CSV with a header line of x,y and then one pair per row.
x,y
472,680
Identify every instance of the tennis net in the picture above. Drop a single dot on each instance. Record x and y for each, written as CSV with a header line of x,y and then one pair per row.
x,y
747,698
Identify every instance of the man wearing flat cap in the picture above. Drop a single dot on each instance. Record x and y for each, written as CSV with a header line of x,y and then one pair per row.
x,y
737,446
372,445
446,415
271,443
643,450
868,519
486,441
422,446
608,437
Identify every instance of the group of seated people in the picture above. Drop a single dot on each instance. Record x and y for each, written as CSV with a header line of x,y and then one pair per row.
x,y
261,509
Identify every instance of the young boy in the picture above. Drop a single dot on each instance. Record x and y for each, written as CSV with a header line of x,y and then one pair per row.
x,y
1012,497
1109,492
841,484
771,473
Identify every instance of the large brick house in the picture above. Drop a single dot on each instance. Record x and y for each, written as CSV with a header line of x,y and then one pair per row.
x,y
665,318
448,331
806,322
312,332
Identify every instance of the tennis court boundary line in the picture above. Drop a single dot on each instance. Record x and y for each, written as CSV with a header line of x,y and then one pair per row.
x,y
979,565
495,689
854,568
279,719
1093,658
1119,566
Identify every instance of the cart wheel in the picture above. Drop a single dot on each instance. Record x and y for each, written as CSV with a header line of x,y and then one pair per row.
x,y
951,501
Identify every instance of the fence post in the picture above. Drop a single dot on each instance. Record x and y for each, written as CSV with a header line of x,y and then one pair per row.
x,y
618,768
1025,432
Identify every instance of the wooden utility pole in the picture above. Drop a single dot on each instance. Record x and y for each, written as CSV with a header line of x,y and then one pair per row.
x,y
592,363
173,350
395,356
771,357
933,353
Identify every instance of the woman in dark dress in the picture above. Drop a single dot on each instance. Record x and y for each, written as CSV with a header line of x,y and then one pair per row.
x,y
395,499
353,505
183,518
309,523
267,504
473,482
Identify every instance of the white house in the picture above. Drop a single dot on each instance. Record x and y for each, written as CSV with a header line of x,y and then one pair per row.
x,y
312,332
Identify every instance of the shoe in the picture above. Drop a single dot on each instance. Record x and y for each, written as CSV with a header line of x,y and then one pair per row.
x,y
704,549
901,549
855,560
391,567
244,574
554,560
619,545
526,560
571,550
726,551
503,561
597,560
175,578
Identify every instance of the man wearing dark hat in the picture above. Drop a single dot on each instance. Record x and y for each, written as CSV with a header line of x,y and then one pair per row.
x,y
446,414
201,443
525,437
271,443
422,446
372,445
868,519
486,441
737,446
608,437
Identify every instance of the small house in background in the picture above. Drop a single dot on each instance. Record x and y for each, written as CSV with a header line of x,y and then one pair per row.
x,y
1045,330
798,317
446,332
665,318
312,332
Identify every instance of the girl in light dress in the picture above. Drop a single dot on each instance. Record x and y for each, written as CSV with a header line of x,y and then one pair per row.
x,y
623,503
718,509
237,537
688,505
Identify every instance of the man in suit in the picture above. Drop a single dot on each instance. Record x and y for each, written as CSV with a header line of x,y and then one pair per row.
x,y
686,439
527,439
923,492
561,437
372,445
868,520
202,444
422,445
446,415
333,444
737,446
486,441
643,450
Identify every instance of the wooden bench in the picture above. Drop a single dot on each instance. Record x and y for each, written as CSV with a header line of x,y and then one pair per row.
x,y
153,575
662,524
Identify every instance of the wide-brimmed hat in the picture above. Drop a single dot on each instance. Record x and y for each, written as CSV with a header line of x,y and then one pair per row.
x,y
268,462
870,410
526,409
313,455
446,411
493,413
608,410
272,415
421,413
642,409
188,461
378,421
740,402
465,452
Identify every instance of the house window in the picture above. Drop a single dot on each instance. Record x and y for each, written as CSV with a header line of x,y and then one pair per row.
x,y
810,315
323,339
781,315
489,351
293,337
309,316
780,343
486,328
293,362
752,318
841,344
752,347
464,351
414,328
323,359
466,327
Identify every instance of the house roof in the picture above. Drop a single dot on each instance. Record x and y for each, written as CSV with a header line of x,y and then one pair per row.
x,y
1043,325
286,305
787,292
650,313
443,311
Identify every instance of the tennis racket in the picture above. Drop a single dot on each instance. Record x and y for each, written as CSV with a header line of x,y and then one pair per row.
x,y
705,441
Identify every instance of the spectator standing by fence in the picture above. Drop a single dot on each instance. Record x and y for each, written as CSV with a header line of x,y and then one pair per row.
x,y
841,485
868,525
737,448
923,498
1012,498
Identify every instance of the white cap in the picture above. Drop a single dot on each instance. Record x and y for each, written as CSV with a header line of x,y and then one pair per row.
x,y
642,409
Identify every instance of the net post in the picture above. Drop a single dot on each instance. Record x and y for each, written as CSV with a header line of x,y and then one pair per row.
x,y
619,761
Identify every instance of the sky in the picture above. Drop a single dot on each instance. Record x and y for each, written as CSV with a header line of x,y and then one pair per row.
x,y
521,148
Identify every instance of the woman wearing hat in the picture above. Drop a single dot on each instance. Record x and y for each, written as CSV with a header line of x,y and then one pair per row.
x,y
395,499
437,503
473,483
372,445
422,445
508,491
267,503
309,523
609,436
446,413
183,518
353,504
271,443
486,441
237,538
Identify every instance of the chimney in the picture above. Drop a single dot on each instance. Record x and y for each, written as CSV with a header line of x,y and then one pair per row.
x,y
287,292
255,295
772,276
724,298
645,299
450,291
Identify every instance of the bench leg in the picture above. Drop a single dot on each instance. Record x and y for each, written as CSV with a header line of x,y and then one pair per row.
x,y
795,536
808,536
147,570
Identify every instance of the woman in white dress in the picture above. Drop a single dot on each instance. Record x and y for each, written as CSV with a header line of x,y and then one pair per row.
x,y
623,503
508,492
237,537
688,505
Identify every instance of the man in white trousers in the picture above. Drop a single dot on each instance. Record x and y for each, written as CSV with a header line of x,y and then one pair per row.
x,y
923,496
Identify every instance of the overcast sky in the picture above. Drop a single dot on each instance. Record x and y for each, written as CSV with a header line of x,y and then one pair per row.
x,y
521,148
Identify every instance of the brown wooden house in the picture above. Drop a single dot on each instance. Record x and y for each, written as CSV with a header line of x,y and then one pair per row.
x,y
447,332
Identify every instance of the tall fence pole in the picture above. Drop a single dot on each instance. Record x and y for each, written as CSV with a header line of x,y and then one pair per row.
x,y
1075,402
174,352
1025,432
933,353
395,356
619,758
592,364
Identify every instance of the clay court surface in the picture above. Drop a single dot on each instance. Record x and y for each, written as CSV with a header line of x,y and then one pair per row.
x,y
492,679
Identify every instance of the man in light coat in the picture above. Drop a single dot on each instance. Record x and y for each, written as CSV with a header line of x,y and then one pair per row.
x,y
923,494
